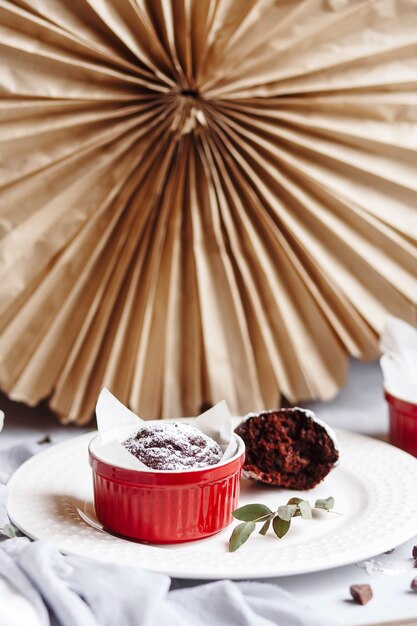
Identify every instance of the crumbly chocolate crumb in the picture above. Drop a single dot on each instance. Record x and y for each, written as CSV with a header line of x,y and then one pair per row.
x,y
415,552
414,584
287,448
361,593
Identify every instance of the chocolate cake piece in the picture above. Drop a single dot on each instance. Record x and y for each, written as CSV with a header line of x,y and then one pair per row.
x,y
173,446
288,448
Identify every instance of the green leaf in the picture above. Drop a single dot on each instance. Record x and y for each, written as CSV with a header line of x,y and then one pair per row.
x,y
305,509
9,531
294,501
266,525
251,512
326,504
281,526
297,502
287,511
240,534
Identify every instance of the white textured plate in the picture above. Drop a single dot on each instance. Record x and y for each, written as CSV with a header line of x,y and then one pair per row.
x,y
375,487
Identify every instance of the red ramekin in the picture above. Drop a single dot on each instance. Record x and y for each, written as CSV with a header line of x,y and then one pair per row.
x,y
166,507
402,423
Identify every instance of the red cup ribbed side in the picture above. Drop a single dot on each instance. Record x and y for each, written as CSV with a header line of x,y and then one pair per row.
x,y
166,507
402,424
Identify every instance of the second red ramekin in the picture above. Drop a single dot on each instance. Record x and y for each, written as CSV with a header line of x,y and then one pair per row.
x,y
166,507
402,423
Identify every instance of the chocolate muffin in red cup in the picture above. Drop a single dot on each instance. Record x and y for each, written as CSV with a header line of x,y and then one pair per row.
x,y
183,488
288,448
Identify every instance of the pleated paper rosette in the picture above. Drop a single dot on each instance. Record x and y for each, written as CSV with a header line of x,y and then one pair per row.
x,y
202,199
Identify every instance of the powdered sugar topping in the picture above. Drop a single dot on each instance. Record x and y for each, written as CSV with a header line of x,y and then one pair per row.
x,y
173,446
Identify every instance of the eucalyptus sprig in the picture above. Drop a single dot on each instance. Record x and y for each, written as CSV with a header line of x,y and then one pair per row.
x,y
8,531
251,514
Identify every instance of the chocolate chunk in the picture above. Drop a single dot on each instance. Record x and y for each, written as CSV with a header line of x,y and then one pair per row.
x,y
361,593
414,584
45,439
415,563
415,552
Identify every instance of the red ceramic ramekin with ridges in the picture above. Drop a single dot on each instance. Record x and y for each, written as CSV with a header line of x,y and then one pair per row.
x,y
402,423
166,507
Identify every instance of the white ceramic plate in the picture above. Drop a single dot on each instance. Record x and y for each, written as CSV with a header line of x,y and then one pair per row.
x,y
375,487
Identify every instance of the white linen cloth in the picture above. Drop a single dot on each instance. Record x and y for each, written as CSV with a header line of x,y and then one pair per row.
x,y
76,591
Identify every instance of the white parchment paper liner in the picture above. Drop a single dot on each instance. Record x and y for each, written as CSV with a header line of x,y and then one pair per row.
x,y
398,343
115,423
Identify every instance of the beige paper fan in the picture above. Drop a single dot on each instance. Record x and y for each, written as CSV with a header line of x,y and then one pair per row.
x,y
202,199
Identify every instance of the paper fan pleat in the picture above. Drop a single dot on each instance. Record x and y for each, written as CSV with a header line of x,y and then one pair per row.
x,y
202,199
